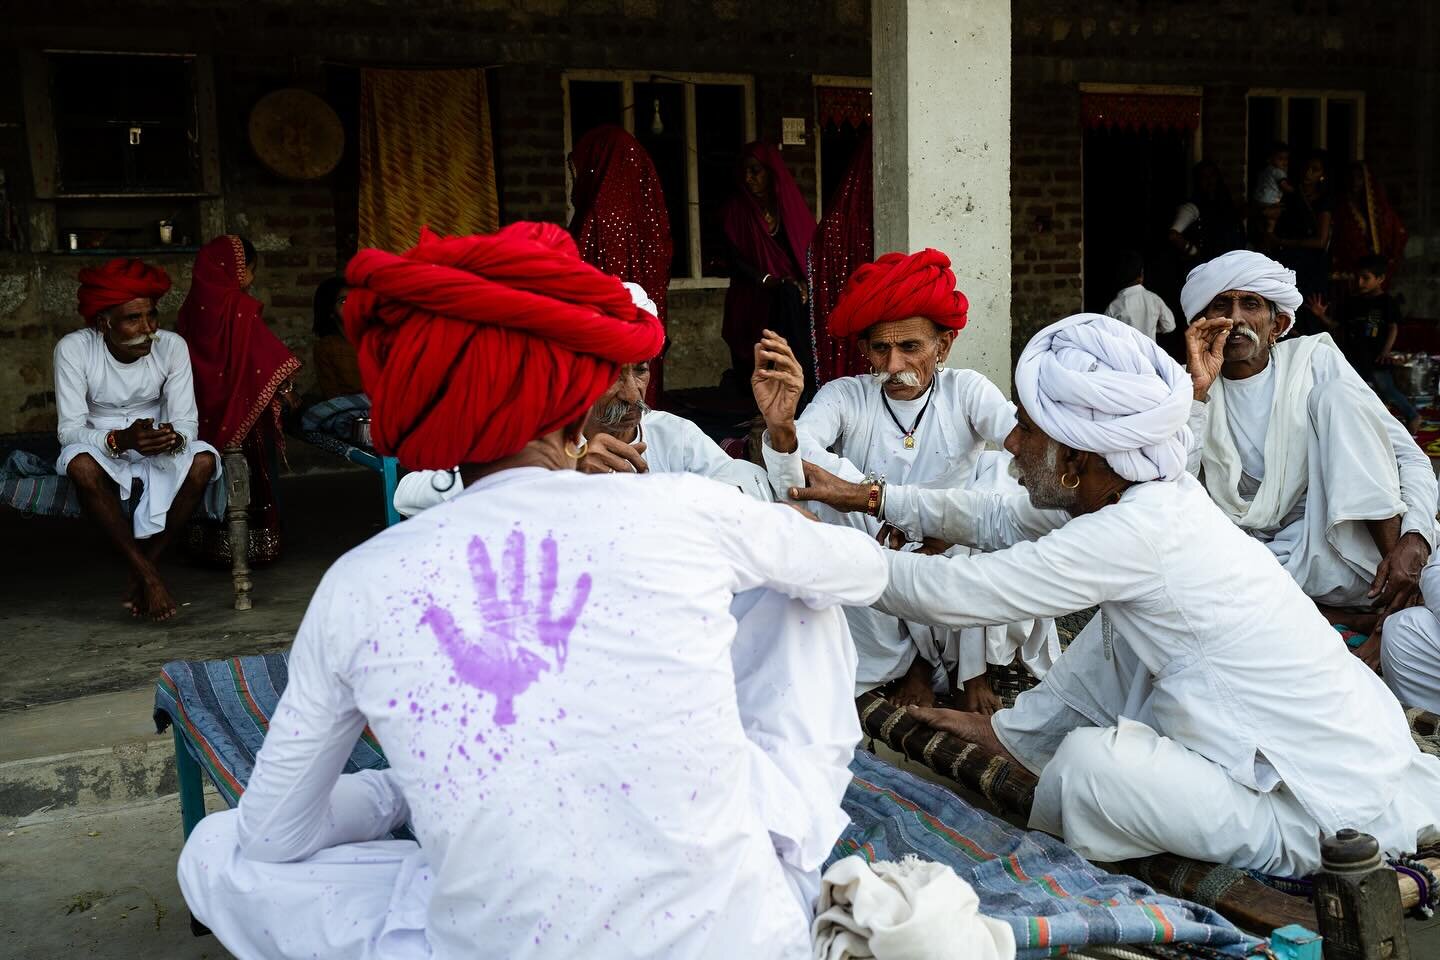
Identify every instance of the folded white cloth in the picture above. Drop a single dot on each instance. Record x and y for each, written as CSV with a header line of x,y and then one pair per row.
x,y
1242,270
1095,384
911,910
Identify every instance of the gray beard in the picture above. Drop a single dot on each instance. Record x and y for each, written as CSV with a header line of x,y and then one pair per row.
x,y
1047,492
614,413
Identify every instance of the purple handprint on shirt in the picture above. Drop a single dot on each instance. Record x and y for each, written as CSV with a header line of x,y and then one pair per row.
x,y
498,662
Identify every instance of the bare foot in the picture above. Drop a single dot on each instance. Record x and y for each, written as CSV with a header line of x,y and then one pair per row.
x,y
159,605
134,597
914,689
979,696
941,718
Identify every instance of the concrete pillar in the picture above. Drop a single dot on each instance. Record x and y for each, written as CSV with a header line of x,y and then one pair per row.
x,y
941,75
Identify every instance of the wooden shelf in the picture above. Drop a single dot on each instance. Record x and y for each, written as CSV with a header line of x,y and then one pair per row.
x,y
122,251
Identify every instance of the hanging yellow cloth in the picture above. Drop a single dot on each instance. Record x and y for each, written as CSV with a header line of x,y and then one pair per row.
x,y
425,156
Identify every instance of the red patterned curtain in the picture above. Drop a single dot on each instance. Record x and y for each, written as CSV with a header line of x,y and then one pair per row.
x,y
1140,111
843,105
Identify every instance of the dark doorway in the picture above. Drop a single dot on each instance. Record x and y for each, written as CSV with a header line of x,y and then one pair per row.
x,y
1134,179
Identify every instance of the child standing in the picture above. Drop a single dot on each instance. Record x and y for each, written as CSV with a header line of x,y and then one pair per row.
x,y
1272,187
1368,322
1136,306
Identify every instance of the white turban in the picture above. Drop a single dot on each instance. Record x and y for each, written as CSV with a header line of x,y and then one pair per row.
x,y
1096,384
1241,270
641,298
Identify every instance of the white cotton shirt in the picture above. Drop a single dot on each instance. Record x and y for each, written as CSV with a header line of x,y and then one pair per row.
x,y
1141,309
546,661
95,393
1246,671
847,430
1247,409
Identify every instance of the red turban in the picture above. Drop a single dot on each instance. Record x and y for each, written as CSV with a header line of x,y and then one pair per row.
x,y
119,281
899,286
471,347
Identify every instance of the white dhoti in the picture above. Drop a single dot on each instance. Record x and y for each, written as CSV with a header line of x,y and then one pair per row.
x,y
1410,657
1114,787
160,476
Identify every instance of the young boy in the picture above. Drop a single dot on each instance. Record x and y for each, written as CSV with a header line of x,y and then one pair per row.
x,y
1272,186
1134,305
1367,324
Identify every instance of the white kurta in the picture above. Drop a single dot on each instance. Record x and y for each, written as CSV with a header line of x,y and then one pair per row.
x,y
672,445
1221,717
1301,455
551,664
1141,309
95,393
847,430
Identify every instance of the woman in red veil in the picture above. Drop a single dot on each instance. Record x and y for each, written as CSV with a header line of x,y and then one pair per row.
x,y
844,242
769,229
242,376
621,225
1365,225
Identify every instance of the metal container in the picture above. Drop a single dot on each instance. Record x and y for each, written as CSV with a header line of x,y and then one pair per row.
x,y
360,433
1421,385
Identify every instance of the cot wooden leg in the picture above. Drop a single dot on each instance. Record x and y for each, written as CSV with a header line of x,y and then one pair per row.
x,y
390,476
192,785
237,519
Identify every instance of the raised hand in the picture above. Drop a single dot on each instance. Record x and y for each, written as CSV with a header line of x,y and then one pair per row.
x,y
608,454
499,661
1205,352
1317,306
778,382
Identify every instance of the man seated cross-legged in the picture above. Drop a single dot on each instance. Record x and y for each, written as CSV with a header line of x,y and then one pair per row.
x,y
912,421
1213,712
126,402
594,763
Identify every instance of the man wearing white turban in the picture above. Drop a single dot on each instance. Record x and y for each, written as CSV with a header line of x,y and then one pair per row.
x,y
1298,451
1211,712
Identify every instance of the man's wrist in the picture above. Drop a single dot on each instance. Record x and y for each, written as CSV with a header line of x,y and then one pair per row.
x,y
783,438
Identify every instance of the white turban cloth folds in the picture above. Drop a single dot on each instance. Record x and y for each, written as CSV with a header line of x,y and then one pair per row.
x,y
1242,270
641,298
1096,384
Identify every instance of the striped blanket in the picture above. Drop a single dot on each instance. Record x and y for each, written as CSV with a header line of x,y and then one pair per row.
x,y
30,485
1055,901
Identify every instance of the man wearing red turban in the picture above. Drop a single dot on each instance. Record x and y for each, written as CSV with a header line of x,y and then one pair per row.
x,y
126,402
507,646
912,421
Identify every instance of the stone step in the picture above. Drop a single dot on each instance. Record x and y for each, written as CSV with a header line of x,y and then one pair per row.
x,y
92,752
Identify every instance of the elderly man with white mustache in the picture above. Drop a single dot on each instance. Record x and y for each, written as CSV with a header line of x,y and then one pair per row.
x,y
1298,451
911,422
125,395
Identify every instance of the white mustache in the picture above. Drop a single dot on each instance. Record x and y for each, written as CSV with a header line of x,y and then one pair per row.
x,y
1014,470
905,378
1247,333
141,340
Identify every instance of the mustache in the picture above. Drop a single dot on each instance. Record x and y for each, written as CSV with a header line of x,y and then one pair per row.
x,y
1247,333
617,412
905,378
141,340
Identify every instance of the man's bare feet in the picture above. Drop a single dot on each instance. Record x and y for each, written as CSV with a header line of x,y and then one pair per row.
x,y
159,605
979,696
914,689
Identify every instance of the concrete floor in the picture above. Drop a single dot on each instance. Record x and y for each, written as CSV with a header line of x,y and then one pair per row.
x,y
66,635
99,885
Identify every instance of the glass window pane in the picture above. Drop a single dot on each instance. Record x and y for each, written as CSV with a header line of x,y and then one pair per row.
x,y
1264,126
1304,135
1342,136
660,128
719,135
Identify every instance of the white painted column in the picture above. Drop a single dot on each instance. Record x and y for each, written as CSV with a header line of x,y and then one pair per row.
x,y
941,73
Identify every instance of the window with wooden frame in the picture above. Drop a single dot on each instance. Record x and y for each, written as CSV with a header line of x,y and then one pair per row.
x,y
1306,121
123,150
693,126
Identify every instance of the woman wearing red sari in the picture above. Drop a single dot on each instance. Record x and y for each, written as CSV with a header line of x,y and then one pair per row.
x,y
1365,225
621,225
844,242
242,377
769,229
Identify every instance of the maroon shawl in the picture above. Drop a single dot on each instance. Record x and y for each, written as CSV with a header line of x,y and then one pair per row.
x,y
238,363
844,243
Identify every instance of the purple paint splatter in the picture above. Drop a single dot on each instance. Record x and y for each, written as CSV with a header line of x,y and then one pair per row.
x,y
498,663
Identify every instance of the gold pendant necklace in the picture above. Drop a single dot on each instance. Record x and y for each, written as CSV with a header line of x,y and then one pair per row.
x,y
909,434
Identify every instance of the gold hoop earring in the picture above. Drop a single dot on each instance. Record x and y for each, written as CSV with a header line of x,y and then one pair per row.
x,y
1069,476
580,449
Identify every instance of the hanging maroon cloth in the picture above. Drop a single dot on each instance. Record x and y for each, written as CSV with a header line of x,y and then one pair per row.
x,y
621,224
239,365
1366,225
844,242
756,251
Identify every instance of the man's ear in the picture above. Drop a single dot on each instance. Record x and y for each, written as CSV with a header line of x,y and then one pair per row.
x,y
1074,461
947,340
